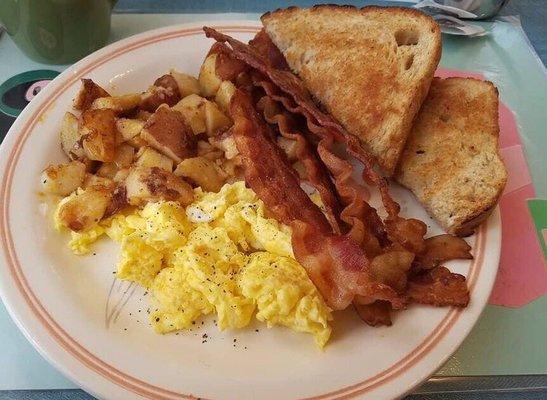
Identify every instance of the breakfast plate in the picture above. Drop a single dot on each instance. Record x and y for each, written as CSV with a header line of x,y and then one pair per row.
x,y
94,328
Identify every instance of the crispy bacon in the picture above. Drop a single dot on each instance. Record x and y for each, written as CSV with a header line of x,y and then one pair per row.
x,y
268,50
267,171
336,264
370,266
357,212
438,287
317,175
339,268
327,128
441,248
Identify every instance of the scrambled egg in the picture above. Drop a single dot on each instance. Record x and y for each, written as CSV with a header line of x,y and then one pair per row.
x,y
221,255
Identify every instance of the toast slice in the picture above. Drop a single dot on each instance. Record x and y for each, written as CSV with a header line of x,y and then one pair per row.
x,y
370,68
451,160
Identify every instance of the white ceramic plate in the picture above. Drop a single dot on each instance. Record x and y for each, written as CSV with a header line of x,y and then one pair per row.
x,y
60,301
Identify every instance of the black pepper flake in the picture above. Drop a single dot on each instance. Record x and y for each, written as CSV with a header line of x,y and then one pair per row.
x,y
124,329
420,152
204,336
256,330
157,319
235,340
193,322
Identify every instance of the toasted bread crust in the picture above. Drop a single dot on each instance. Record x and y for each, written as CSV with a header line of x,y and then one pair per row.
x,y
451,161
375,98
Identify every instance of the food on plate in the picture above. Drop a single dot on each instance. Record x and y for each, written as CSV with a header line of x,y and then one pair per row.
x,y
236,194
220,255
370,68
459,118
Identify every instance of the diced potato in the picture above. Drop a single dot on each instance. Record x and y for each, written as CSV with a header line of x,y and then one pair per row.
x,y
224,95
121,175
123,159
208,78
187,84
192,109
226,144
202,172
98,129
124,156
167,132
145,184
129,128
63,179
96,181
83,209
155,96
148,157
215,120
119,104
137,142
89,91
70,137
288,146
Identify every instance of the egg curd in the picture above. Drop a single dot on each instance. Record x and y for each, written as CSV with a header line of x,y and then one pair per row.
x,y
221,255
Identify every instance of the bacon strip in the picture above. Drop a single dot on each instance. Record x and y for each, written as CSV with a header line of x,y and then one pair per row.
x,y
292,85
317,175
438,287
264,46
441,248
267,171
357,211
337,265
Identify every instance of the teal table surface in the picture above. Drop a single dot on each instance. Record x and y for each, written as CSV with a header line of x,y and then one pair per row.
x,y
512,377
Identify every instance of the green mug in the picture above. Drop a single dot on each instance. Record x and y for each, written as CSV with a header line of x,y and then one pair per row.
x,y
57,31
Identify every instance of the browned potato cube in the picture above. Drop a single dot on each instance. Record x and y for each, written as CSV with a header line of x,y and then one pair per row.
x,y
148,157
215,120
99,134
145,184
118,104
224,94
187,84
63,179
70,137
164,91
123,159
129,128
208,78
167,132
83,209
202,172
87,94
97,181
192,109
